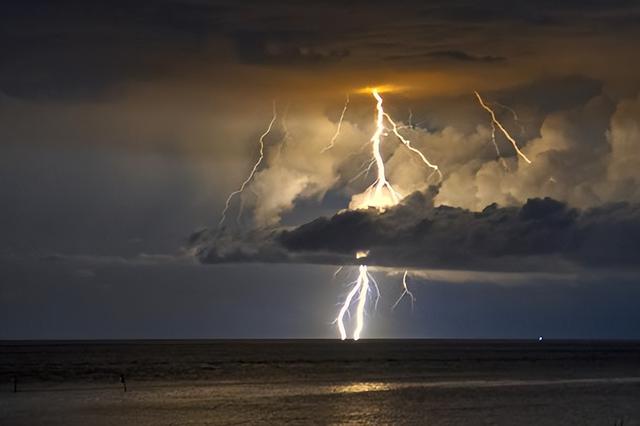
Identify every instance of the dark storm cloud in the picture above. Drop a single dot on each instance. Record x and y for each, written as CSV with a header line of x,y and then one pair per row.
x,y
463,56
553,94
494,13
451,55
546,12
75,49
543,234
184,88
284,48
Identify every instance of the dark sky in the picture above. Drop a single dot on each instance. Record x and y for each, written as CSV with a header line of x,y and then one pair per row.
x,y
125,124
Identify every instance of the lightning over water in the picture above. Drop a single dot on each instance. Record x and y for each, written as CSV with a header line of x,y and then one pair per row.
x,y
253,170
380,195
405,292
499,125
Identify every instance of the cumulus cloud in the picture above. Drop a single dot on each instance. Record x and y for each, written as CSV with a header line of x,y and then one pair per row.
x,y
585,156
294,166
569,162
575,206
624,137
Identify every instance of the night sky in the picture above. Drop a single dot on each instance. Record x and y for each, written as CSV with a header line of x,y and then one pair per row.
x,y
124,126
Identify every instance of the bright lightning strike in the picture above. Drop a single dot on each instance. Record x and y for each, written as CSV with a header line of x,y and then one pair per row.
x,y
363,279
499,125
361,288
337,133
253,170
405,292
495,145
407,143
381,194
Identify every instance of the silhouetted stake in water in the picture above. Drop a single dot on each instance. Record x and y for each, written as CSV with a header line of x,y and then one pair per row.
x,y
124,382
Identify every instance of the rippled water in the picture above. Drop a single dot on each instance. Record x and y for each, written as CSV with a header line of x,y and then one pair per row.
x,y
322,382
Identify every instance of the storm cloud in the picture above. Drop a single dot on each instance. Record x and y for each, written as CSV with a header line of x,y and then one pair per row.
x,y
124,125
542,234
451,55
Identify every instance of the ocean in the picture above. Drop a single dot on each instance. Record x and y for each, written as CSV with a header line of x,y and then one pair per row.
x,y
439,382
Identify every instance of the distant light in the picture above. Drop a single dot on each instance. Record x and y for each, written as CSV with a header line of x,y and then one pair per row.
x,y
382,88
362,254
540,339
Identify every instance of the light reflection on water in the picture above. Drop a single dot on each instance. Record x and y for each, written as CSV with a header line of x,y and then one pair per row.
x,y
358,387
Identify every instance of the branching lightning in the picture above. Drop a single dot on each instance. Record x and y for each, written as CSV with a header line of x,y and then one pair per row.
x,y
375,195
253,170
365,170
407,143
361,288
405,292
380,194
495,123
497,148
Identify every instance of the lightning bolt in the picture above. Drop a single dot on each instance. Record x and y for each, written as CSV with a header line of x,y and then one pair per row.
x,y
363,280
407,143
405,292
253,170
335,274
365,170
361,288
381,182
380,194
496,123
495,145
337,133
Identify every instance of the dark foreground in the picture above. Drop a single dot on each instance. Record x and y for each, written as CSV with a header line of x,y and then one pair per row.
x,y
321,382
